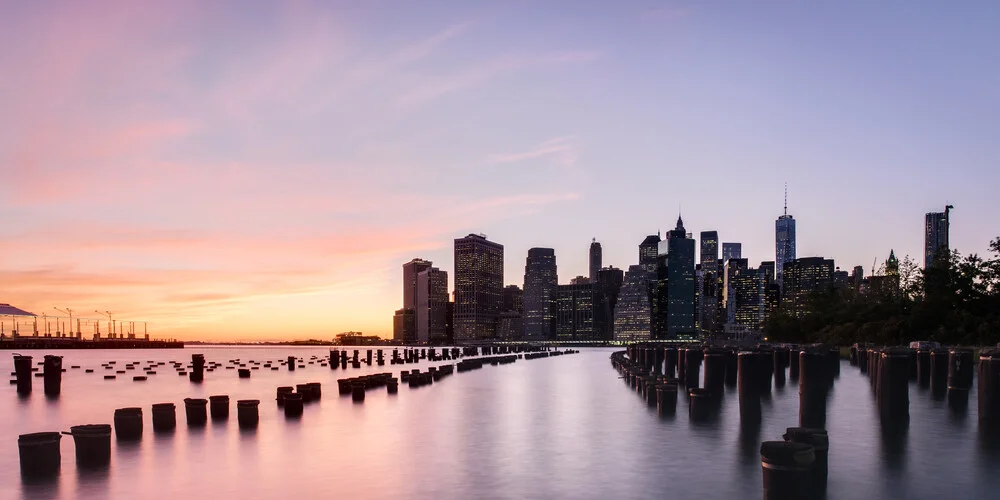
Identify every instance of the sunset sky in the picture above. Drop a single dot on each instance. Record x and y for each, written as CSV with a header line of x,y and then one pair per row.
x,y
247,169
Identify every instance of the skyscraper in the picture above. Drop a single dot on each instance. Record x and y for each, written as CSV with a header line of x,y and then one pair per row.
x,y
801,278
936,235
430,315
608,286
709,276
784,240
731,251
540,282
403,328
478,287
575,312
680,281
410,271
648,250
632,313
595,260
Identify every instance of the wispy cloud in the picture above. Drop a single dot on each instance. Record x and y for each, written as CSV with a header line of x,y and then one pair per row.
x,y
563,150
434,86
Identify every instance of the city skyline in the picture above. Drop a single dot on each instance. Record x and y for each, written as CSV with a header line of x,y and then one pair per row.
x,y
242,171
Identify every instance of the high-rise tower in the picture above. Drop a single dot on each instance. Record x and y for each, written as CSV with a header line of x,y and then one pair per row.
x,y
595,260
680,281
540,285
936,235
710,275
784,241
478,287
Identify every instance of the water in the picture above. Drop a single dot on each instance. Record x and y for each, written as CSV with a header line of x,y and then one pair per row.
x,y
562,427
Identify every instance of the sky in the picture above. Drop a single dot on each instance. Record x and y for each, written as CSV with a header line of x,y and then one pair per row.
x,y
261,170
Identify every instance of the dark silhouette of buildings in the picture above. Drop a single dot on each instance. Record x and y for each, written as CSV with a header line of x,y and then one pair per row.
x,y
540,283
936,226
595,260
478,287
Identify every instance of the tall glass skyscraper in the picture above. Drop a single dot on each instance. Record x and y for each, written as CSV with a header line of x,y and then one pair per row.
x,y
595,260
784,241
936,234
680,282
478,287
540,285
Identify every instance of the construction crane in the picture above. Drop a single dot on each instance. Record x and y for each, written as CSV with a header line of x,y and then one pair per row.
x,y
111,320
70,313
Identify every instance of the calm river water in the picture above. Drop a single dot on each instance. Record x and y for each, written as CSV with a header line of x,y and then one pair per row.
x,y
561,427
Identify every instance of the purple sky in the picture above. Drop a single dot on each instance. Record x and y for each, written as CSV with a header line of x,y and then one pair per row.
x,y
262,169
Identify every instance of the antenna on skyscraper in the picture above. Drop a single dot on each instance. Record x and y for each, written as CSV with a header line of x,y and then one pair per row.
x,y
786,198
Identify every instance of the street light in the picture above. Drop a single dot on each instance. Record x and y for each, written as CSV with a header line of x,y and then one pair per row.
x,y
70,313
110,319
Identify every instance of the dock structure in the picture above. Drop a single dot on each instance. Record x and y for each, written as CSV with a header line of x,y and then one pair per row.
x,y
26,330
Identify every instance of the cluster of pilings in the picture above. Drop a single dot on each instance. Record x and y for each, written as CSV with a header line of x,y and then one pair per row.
x,y
52,371
293,399
357,387
948,372
40,454
794,468
797,467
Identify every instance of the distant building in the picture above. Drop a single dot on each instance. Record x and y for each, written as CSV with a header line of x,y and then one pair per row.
x,y
632,313
841,279
431,313
580,280
356,338
767,271
608,287
478,287
404,327
708,292
649,249
936,226
680,282
513,299
595,260
801,278
784,240
540,282
410,271
887,284
575,312
857,277
731,251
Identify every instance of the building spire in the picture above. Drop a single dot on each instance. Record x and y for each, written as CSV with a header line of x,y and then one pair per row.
x,y
786,198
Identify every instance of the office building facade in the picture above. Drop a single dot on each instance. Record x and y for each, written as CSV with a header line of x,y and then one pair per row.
x,y
540,283
478,287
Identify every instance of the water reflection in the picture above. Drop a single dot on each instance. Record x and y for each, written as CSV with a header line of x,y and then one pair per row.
x,y
894,441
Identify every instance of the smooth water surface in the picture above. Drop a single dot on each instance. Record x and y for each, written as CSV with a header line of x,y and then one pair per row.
x,y
561,427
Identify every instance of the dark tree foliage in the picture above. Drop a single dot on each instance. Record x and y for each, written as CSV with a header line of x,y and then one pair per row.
x,y
954,301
